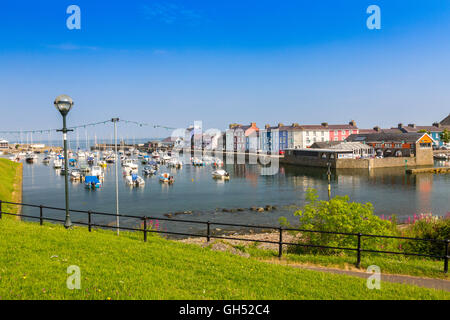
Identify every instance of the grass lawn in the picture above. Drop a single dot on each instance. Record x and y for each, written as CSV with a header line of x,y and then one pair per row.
x,y
10,184
392,264
34,261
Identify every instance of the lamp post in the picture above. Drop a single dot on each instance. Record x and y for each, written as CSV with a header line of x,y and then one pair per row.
x,y
63,104
115,120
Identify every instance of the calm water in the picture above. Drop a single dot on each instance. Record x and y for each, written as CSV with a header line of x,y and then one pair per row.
x,y
389,190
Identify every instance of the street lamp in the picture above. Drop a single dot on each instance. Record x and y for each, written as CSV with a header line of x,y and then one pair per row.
x,y
63,104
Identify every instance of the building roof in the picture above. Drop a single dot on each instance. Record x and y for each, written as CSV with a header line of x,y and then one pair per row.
x,y
419,128
328,127
324,145
340,145
446,121
380,130
411,137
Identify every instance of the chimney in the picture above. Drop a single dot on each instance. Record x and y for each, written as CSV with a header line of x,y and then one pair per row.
x,y
437,124
280,125
377,128
295,124
400,125
324,124
412,125
352,123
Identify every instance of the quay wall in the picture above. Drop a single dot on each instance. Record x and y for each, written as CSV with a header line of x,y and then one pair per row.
x,y
352,163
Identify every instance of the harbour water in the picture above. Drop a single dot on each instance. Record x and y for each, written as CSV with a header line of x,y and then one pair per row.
x,y
391,191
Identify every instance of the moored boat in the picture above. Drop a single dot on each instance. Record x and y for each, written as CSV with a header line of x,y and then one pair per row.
x,y
220,174
166,178
92,182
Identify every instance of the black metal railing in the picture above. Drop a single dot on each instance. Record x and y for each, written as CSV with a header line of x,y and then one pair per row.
x,y
359,248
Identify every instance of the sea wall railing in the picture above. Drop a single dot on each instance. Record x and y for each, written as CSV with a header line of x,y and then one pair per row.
x,y
146,229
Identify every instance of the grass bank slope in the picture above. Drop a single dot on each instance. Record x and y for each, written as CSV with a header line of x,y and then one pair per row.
x,y
34,261
10,184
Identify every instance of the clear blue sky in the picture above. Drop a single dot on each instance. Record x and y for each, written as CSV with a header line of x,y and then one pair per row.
x,y
173,62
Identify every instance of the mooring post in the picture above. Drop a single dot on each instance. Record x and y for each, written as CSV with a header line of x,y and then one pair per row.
x,y
358,258
0,209
208,237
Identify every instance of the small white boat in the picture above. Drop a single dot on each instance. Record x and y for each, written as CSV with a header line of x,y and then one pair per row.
x,y
149,170
57,163
97,172
30,157
220,174
175,163
46,160
135,181
75,174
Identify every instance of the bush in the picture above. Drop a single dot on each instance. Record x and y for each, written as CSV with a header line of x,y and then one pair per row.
x,y
427,226
341,215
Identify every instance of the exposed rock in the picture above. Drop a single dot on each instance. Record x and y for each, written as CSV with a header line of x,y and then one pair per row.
x,y
225,247
168,215
240,209
225,210
260,209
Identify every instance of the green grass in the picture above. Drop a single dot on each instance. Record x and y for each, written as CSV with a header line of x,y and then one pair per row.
x,y
389,264
10,183
34,261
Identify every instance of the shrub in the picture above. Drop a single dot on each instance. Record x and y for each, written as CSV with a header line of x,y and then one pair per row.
x,y
341,215
427,226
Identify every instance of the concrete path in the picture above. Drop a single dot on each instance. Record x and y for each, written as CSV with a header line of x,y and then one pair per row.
x,y
440,284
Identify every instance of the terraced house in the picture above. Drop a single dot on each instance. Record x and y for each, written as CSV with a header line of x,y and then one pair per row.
x,y
323,133
434,130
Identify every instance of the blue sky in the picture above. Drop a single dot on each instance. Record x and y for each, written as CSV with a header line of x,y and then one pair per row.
x,y
173,62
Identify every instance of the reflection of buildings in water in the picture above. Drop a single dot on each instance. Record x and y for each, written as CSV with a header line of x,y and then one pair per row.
x,y
424,183
248,172
353,180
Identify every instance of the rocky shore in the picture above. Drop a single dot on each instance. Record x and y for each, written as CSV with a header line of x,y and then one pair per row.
x,y
229,245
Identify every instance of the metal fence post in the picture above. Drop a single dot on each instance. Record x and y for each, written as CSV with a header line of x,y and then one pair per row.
x,y
358,258
89,221
41,215
145,229
0,209
280,243
208,237
446,256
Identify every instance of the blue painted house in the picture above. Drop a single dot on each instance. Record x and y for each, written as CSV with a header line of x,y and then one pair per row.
x,y
433,131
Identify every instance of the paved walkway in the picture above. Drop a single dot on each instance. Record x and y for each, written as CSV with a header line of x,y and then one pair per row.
x,y
440,284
